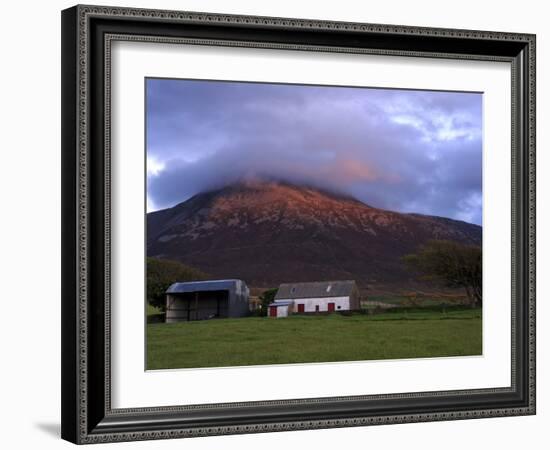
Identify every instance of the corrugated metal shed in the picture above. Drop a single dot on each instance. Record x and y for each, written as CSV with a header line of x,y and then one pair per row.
x,y
316,289
197,300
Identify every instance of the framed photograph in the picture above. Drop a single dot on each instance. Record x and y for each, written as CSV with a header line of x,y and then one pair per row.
x,y
280,224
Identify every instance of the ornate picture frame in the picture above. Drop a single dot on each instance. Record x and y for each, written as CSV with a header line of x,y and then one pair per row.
x,y
88,33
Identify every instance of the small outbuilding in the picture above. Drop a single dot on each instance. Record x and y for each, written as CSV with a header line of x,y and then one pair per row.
x,y
199,300
319,296
281,308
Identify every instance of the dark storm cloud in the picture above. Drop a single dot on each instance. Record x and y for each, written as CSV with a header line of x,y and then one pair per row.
x,y
410,151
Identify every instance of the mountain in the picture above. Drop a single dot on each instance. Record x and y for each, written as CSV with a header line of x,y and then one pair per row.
x,y
268,232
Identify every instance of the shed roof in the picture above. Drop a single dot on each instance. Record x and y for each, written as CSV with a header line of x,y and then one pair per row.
x,y
315,289
210,285
281,303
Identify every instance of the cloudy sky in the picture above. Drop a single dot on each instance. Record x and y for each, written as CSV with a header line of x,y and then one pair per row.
x,y
403,150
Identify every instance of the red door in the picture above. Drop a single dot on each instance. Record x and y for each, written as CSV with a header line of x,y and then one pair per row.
x,y
272,311
301,307
330,307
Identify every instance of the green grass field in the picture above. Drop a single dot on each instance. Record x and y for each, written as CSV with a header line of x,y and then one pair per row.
x,y
304,339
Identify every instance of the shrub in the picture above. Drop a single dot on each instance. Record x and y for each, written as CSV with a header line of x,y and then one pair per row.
x,y
162,273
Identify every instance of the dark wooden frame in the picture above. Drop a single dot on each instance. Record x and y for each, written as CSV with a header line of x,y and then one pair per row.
x,y
87,416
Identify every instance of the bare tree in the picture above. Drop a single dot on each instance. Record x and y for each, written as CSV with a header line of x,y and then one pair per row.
x,y
454,264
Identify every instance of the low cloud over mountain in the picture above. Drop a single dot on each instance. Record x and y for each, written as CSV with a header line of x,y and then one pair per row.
x,y
403,150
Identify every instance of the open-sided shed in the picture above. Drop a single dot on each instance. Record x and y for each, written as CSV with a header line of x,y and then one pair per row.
x,y
199,300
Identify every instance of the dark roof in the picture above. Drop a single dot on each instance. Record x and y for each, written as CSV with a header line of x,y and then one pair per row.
x,y
315,289
210,285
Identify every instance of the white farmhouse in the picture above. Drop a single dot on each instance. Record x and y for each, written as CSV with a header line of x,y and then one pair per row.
x,y
320,296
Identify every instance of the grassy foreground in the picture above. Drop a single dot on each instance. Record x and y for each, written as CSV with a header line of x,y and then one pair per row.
x,y
301,339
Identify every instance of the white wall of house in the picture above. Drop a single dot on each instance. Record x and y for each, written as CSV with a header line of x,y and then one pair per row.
x,y
282,311
340,303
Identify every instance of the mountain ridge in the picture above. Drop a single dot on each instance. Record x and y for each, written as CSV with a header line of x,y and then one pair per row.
x,y
269,232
